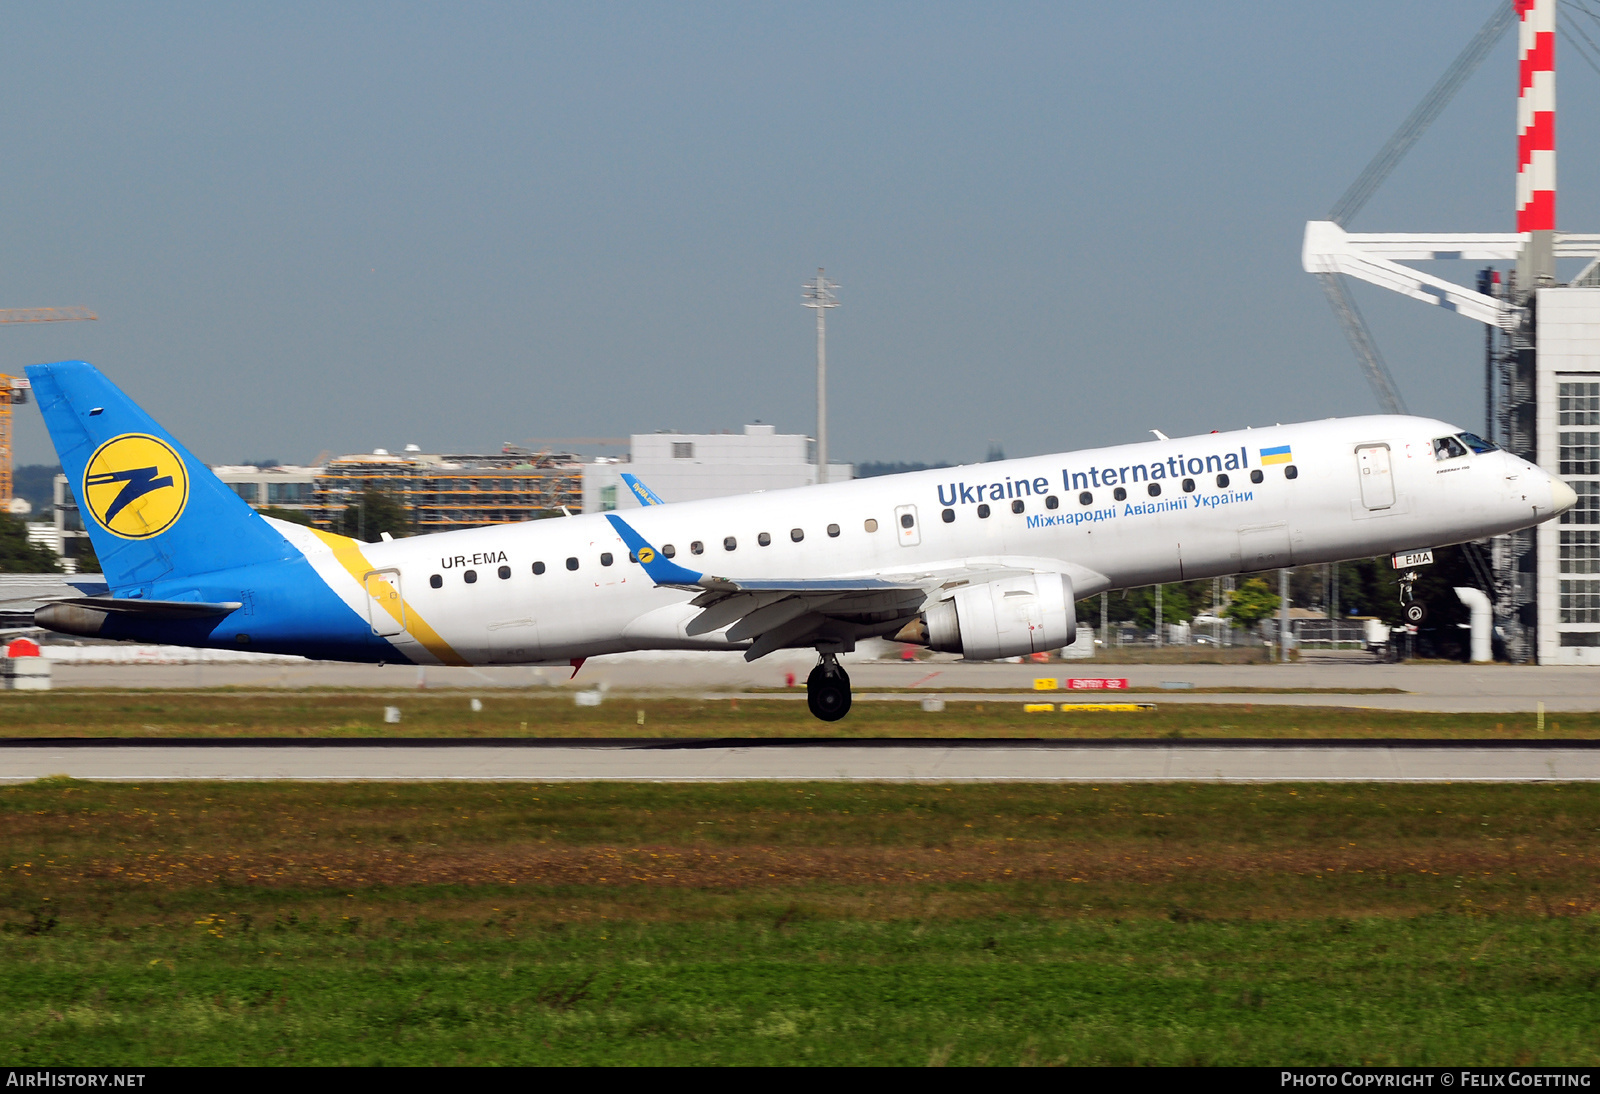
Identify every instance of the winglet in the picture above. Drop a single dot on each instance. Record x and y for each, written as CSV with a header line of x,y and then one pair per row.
x,y
645,495
659,568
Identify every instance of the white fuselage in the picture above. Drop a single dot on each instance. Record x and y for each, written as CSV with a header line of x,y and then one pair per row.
x,y
459,609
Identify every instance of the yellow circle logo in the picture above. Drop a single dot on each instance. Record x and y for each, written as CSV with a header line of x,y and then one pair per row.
x,y
135,486
646,555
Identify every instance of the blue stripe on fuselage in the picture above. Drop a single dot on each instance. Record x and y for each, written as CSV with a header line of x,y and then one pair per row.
x,y
288,608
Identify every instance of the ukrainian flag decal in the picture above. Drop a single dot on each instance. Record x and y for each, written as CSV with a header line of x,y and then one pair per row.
x,y
1281,454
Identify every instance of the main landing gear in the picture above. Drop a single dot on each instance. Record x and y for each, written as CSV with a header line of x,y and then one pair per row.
x,y
828,690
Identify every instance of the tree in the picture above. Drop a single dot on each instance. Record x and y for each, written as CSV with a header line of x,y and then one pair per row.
x,y
1180,601
82,552
872,469
1251,602
1175,606
36,482
293,516
373,514
17,555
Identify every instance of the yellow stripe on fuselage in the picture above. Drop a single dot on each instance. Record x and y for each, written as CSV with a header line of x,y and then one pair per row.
x,y
1281,457
347,552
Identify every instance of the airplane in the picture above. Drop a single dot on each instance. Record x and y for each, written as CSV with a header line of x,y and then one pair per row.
x,y
986,560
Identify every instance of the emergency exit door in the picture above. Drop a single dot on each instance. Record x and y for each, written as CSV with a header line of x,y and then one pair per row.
x,y
905,525
1377,481
385,608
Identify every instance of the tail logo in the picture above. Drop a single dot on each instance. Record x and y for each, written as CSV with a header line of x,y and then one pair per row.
x,y
135,486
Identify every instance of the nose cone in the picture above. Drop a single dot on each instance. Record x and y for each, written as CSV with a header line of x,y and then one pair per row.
x,y
1562,496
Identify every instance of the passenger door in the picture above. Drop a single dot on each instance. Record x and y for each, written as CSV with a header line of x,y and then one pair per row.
x,y
1377,481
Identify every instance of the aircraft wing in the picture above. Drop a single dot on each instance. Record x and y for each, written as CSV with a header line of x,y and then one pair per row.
x,y
775,613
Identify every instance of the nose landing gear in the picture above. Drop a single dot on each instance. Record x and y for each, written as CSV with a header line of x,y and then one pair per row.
x,y
828,690
1414,611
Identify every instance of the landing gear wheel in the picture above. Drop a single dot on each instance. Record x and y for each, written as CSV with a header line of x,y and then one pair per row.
x,y
828,692
1415,613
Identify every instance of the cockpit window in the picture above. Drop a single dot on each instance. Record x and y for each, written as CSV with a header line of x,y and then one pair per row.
x,y
1447,448
1477,443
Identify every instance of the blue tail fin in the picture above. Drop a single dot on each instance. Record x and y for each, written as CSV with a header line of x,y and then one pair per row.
x,y
153,512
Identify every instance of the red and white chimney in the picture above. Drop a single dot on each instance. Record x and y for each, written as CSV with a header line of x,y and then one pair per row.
x,y
1536,116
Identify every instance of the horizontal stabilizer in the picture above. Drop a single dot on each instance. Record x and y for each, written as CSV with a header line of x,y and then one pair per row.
x,y
86,615
157,609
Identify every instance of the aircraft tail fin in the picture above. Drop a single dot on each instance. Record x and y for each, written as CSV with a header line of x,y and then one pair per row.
x,y
153,512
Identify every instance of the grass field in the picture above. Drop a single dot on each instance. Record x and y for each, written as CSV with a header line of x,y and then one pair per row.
x,y
277,713
823,923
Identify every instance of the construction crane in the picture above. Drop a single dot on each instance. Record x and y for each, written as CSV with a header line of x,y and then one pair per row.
x,y
14,389
1410,131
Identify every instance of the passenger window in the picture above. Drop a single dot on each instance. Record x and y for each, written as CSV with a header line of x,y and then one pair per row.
x,y
796,534
605,558
1256,475
983,512
572,564
730,544
948,516
1188,485
1222,482
1291,472
1119,494
833,531
870,525
1016,506
1154,490
436,581
633,558
669,550
1086,498
470,576
538,567
907,520
764,540
504,572
697,548
1052,502
1448,448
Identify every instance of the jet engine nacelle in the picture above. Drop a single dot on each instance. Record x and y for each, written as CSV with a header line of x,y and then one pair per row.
x,y
1010,617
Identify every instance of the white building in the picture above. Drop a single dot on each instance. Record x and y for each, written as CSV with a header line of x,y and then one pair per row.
x,y
690,466
280,487
1567,401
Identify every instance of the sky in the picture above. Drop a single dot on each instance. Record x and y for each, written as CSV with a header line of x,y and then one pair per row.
x,y
328,228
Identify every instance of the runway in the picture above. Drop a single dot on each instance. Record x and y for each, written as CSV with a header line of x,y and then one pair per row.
x,y
884,760
1446,688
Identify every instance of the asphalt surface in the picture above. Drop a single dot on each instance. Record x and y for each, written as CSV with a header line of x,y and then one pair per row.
x,y
728,761
1447,688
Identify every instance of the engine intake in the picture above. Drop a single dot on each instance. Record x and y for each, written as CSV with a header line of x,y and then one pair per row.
x,y
1010,617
